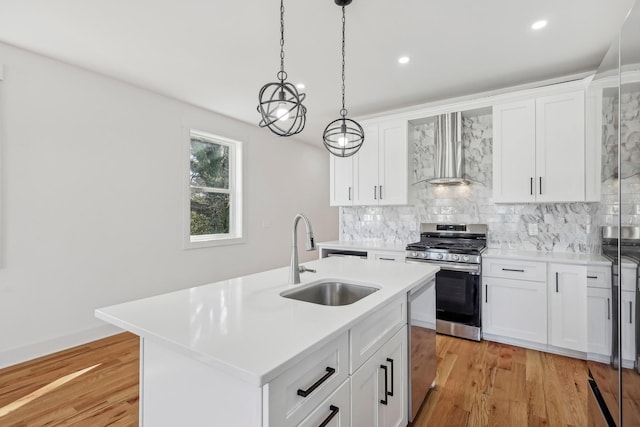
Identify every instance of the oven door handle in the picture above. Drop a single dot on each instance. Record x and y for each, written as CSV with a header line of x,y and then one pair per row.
x,y
473,269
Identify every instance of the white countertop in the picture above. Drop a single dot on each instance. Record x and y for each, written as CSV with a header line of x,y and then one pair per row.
x,y
244,327
363,245
564,257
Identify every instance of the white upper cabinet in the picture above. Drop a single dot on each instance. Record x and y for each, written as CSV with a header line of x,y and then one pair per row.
x,y
378,173
539,149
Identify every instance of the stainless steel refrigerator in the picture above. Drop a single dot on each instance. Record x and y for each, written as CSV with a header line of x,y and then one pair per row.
x,y
613,120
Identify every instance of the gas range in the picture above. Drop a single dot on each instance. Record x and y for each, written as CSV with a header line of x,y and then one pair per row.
x,y
457,243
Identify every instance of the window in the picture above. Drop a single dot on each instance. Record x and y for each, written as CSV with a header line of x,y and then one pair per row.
x,y
215,190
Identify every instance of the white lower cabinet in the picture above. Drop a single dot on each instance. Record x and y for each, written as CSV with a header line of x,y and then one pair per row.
x,y
379,386
599,323
567,311
628,325
515,309
335,411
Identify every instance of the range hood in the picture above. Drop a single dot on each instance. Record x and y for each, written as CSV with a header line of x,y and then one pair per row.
x,y
449,162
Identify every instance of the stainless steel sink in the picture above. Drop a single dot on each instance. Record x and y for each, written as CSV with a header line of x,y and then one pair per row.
x,y
330,292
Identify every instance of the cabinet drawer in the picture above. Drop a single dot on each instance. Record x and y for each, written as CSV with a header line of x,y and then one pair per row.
x,y
515,269
319,374
387,256
372,332
599,277
336,409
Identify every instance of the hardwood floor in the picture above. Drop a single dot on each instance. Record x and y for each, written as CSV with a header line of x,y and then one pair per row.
x,y
54,390
491,384
478,384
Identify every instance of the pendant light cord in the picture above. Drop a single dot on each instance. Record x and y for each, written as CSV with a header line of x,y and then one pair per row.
x,y
282,75
343,112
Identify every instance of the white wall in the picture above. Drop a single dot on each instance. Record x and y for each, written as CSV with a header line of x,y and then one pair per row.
x,y
92,181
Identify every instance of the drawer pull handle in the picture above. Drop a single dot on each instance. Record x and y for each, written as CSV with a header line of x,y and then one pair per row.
x,y
513,269
630,312
307,392
391,362
334,412
592,277
386,259
608,309
486,293
386,385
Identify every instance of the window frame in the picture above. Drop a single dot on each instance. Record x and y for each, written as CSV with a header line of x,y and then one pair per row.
x,y
236,201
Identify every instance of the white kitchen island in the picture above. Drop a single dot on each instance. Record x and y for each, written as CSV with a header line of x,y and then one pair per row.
x,y
234,353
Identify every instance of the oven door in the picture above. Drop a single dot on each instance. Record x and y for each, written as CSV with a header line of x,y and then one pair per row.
x,y
457,297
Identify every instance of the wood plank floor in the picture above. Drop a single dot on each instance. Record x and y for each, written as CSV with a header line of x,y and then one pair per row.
x,y
478,384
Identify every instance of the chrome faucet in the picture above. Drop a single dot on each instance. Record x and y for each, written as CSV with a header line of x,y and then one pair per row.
x,y
295,270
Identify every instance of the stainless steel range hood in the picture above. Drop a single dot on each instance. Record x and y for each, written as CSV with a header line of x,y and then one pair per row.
x,y
449,161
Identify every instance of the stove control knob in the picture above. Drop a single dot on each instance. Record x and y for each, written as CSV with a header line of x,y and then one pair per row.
x,y
440,256
456,257
423,254
465,257
414,254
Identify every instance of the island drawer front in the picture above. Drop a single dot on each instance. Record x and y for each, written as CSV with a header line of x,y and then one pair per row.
x,y
599,277
515,269
372,332
312,374
336,409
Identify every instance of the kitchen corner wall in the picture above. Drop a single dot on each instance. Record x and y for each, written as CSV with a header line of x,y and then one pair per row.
x,y
566,227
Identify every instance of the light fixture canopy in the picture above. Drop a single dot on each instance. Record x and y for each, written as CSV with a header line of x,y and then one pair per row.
x,y
343,137
279,103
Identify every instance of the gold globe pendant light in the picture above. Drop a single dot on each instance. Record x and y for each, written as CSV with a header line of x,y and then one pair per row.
x,y
343,137
280,104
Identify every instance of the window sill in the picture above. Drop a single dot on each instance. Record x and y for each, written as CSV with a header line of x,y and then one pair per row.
x,y
212,242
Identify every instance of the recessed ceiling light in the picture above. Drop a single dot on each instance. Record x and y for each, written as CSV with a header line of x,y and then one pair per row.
x,y
404,59
300,86
539,25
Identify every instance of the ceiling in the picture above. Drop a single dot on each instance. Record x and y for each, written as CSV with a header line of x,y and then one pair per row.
x,y
217,54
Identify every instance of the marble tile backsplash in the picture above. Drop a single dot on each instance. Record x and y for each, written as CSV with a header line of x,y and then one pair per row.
x,y
569,227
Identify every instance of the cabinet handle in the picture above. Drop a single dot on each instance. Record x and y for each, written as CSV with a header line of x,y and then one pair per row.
x,y
391,362
630,312
531,186
608,309
557,273
592,277
349,193
386,385
486,293
380,192
541,185
513,269
334,411
307,392
375,189
386,259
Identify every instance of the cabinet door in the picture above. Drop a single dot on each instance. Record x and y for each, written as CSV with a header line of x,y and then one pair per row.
x,y
598,322
392,163
395,358
366,193
514,152
367,389
341,181
379,387
560,148
515,309
628,326
568,306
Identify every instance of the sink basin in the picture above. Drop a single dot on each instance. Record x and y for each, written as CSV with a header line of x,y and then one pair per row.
x,y
330,292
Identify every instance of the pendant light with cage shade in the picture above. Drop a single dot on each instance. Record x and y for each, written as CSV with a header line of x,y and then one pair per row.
x,y
343,137
280,104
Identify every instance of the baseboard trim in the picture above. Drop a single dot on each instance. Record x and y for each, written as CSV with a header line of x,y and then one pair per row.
x,y
32,351
536,346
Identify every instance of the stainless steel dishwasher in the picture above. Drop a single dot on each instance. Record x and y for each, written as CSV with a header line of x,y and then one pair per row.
x,y
421,314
